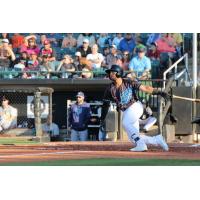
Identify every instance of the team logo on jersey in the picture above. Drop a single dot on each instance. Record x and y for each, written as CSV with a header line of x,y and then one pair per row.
x,y
126,95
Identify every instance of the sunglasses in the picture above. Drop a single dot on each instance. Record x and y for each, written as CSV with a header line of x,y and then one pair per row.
x,y
125,54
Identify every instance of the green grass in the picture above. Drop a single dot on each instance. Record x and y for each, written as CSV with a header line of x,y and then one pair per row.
x,y
14,141
110,162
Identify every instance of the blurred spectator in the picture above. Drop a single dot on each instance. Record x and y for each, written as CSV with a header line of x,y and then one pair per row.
x,y
47,50
95,58
30,71
77,61
83,36
86,73
46,67
166,46
51,129
140,64
4,36
69,41
66,66
8,115
117,39
179,42
106,51
23,57
127,44
102,40
114,58
85,49
30,45
153,52
79,117
17,40
54,38
153,37
34,58
42,39
7,55
126,60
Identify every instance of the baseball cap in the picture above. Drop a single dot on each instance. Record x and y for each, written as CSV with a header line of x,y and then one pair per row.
x,y
80,94
5,40
78,53
85,40
113,46
141,48
46,42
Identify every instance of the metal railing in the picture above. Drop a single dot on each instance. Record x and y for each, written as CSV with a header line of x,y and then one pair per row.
x,y
175,67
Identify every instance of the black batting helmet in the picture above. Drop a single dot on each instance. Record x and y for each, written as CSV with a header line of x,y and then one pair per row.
x,y
116,68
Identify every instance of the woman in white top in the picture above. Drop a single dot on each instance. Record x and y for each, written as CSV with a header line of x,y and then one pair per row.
x,y
95,58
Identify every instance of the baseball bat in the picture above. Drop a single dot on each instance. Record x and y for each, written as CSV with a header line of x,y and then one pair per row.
x,y
186,98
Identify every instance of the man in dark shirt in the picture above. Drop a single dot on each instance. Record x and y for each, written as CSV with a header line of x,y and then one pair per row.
x,y
85,49
79,117
123,92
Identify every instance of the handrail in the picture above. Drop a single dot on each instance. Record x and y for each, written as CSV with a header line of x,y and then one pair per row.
x,y
185,56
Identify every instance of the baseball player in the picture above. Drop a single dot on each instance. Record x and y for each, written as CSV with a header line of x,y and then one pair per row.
x,y
147,119
123,92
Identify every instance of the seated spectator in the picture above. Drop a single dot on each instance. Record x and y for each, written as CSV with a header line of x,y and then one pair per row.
x,y
51,129
30,45
127,44
46,67
69,41
17,40
140,64
117,39
95,58
43,38
83,36
166,46
34,58
77,61
85,49
30,71
7,55
114,58
102,40
153,52
106,51
79,118
23,57
179,42
47,50
4,36
66,66
126,60
153,37
8,115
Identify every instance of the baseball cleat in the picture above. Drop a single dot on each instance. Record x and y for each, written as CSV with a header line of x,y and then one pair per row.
x,y
141,146
160,141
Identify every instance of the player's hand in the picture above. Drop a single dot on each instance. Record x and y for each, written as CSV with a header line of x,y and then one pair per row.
x,y
163,94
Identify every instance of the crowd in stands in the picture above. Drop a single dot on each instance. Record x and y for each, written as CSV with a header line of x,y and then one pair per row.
x,y
87,55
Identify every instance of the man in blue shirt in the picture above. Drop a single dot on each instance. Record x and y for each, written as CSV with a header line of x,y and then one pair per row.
x,y
79,117
127,44
140,64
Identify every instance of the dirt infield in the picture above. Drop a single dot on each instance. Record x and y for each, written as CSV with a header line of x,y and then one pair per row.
x,y
86,150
